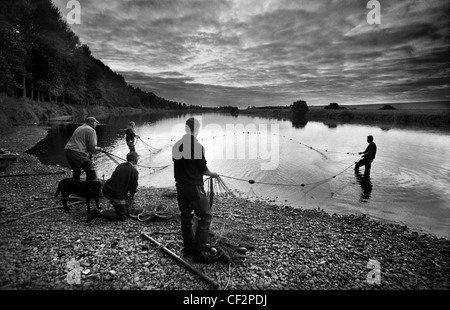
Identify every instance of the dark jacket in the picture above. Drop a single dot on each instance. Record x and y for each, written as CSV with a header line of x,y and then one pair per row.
x,y
189,160
123,180
370,151
130,135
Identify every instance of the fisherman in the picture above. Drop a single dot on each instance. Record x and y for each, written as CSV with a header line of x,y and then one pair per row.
x,y
189,168
130,136
120,190
367,156
80,147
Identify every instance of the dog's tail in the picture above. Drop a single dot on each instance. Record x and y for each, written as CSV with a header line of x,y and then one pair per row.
x,y
58,191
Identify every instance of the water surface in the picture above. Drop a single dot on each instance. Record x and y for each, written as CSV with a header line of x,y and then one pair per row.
x,y
408,184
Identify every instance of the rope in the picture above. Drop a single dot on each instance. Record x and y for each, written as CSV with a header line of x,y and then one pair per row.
x,y
249,132
308,146
142,166
152,149
160,211
284,184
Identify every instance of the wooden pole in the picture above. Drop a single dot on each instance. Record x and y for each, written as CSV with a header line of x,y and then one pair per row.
x,y
35,212
183,262
25,215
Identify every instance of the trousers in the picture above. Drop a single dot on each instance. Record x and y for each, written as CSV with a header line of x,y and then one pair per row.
x,y
367,163
78,161
120,213
131,146
192,200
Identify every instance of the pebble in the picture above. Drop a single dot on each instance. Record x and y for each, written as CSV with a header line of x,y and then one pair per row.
x,y
87,285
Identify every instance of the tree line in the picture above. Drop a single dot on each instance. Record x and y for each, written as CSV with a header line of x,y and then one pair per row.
x,y
42,59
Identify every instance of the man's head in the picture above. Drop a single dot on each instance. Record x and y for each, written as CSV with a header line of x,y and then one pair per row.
x,y
92,121
132,157
192,126
369,139
132,124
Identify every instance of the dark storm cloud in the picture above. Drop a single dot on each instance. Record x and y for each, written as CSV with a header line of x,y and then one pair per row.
x,y
262,52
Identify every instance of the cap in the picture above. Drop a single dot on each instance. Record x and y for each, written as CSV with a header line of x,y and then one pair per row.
x,y
91,119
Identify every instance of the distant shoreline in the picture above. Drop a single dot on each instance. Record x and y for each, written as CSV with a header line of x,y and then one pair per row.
x,y
20,112
436,117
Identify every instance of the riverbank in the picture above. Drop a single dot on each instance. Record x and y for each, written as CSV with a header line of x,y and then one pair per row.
x,y
288,249
29,112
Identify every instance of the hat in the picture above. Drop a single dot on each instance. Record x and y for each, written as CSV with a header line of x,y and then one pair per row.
x,y
91,119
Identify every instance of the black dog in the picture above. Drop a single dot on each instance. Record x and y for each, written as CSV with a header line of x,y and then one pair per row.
x,y
88,189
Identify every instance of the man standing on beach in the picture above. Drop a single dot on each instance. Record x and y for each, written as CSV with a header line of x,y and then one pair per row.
x,y
189,167
80,148
130,135
368,156
119,190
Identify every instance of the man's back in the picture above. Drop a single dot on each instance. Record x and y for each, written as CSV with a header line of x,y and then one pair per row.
x,y
130,134
372,151
84,140
189,161
124,179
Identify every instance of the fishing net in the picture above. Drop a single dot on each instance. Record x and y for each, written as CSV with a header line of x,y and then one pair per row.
x,y
231,239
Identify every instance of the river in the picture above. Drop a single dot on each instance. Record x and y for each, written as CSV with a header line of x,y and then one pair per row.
x,y
307,165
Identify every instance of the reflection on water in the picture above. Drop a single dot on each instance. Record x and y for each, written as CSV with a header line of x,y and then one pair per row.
x,y
408,182
366,185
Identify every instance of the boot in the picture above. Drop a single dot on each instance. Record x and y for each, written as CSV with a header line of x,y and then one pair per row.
x,y
92,215
204,258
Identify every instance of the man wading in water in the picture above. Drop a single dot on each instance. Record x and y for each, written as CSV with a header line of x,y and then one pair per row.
x,y
130,135
368,156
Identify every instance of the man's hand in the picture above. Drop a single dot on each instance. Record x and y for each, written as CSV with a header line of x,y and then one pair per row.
x,y
211,174
214,175
98,149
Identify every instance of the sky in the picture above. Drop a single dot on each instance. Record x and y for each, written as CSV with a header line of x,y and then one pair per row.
x,y
272,52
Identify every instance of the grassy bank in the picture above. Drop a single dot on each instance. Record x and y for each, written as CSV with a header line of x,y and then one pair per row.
x,y
433,118
26,111
288,249
424,118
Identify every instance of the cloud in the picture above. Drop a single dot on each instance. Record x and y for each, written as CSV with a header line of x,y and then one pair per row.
x,y
266,52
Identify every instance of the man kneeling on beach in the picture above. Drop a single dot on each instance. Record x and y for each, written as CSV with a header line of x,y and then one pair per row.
x,y
119,189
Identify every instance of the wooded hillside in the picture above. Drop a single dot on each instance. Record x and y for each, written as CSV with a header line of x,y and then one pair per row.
x,y
42,59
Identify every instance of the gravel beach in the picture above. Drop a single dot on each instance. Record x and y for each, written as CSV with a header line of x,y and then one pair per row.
x,y
287,249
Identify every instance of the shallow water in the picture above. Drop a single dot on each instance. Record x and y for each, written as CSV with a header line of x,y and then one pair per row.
x,y
408,184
